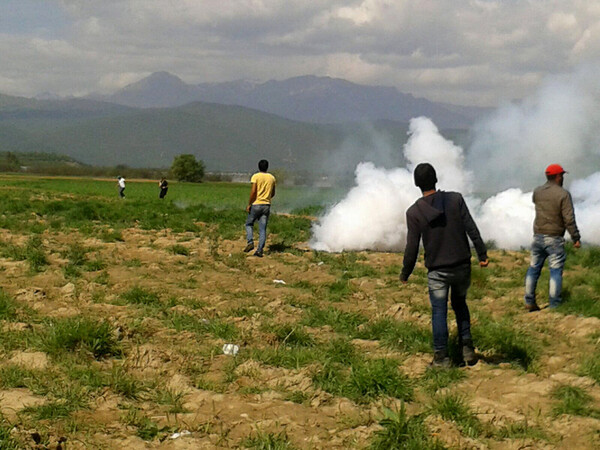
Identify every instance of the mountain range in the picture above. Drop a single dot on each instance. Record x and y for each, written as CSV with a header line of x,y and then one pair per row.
x,y
306,98
304,123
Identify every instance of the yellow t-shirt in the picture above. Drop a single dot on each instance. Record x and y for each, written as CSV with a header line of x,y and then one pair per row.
x,y
265,183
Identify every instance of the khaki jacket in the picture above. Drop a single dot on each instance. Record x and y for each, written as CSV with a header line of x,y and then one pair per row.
x,y
554,211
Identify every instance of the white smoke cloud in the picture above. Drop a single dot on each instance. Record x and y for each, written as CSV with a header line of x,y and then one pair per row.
x,y
372,216
559,123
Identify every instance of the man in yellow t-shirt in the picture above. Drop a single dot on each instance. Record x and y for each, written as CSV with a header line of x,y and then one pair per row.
x,y
259,206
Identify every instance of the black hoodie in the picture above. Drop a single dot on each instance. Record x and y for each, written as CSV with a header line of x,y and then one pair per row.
x,y
444,221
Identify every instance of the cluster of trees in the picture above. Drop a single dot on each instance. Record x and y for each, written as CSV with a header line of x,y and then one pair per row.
x,y
184,168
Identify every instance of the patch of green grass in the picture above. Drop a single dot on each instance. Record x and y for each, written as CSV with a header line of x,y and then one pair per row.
x,y
268,441
50,411
78,333
405,336
339,321
76,254
297,397
453,407
365,381
215,327
173,399
401,432
520,430
293,335
135,262
8,306
35,254
145,427
572,400
480,282
14,376
435,379
7,440
111,235
505,341
179,249
580,301
346,264
287,357
339,290
591,367
94,265
140,296
124,384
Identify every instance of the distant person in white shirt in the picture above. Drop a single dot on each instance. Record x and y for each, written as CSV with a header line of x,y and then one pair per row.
x,y
121,186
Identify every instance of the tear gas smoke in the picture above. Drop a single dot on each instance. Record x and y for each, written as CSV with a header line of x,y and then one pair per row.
x,y
372,216
559,123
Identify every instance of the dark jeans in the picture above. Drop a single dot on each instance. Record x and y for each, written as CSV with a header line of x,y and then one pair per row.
x,y
163,192
122,192
260,213
455,280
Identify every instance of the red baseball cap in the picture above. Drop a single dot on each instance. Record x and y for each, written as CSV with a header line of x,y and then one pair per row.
x,y
555,169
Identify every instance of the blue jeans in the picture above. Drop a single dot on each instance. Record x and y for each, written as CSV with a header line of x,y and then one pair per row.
x,y
455,280
542,247
260,213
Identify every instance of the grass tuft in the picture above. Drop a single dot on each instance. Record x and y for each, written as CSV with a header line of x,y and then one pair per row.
x,y
399,431
77,333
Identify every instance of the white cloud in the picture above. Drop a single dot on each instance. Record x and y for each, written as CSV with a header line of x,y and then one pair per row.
x,y
476,51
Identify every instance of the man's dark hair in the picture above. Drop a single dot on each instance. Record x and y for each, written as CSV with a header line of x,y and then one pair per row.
x,y
552,177
425,177
263,165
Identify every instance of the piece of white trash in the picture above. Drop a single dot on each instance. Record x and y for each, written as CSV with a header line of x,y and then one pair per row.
x,y
230,349
178,435
279,281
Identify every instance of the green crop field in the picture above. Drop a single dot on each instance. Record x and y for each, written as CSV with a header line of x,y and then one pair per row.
x,y
114,315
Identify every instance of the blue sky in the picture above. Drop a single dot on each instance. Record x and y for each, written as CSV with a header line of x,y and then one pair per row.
x,y
32,18
478,52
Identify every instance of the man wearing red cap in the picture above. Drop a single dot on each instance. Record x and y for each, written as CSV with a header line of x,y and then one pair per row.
x,y
553,215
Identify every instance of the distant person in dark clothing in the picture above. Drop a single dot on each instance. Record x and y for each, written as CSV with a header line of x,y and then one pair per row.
x,y
121,184
443,220
164,187
554,214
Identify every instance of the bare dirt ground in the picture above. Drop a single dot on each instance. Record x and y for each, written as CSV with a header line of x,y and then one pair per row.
x,y
225,399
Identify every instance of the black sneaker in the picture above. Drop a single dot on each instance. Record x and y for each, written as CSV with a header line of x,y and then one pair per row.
x,y
249,247
440,360
532,307
468,353
258,254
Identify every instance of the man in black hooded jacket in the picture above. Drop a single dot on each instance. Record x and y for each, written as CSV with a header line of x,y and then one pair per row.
x,y
443,220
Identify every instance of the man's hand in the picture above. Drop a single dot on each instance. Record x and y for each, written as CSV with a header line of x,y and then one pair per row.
x,y
248,208
577,244
484,263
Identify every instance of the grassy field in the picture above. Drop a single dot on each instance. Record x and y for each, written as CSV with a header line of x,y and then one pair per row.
x,y
114,314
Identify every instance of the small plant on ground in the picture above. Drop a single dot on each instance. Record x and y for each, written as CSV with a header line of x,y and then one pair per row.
x,y
399,431
268,441
140,296
453,407
365,380
179,249
435,379
35,254
591,366
80,334
573,400
404,336
8,307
